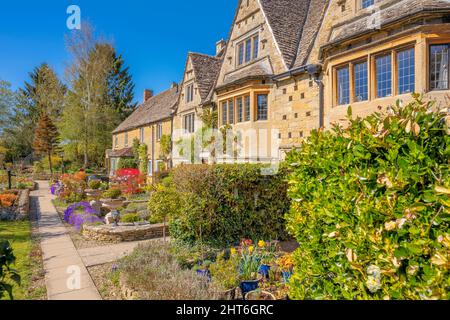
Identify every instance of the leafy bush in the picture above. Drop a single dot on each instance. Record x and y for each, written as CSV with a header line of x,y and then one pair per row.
x,y
112,193
130,218
127,163
8,276
225,271
95,184
221,204
73,187
371,208
129,181
153,272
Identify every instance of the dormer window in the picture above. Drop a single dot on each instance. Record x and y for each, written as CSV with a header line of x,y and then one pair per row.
x,y
366,3
248,50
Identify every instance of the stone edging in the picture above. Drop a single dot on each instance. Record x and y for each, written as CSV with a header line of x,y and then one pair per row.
x,y
107,233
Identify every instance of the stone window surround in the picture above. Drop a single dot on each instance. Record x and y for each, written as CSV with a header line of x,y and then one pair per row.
x,y
241,40
253,106
370,58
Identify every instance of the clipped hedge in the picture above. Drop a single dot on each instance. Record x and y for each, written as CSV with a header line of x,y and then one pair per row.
x,y
220,204
371,206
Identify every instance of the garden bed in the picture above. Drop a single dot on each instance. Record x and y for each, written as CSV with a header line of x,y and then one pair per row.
x,y
15,205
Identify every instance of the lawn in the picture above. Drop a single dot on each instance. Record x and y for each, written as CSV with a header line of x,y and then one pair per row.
x,y
28,259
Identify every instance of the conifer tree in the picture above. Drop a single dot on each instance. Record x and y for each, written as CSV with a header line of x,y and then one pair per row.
x,y
46,138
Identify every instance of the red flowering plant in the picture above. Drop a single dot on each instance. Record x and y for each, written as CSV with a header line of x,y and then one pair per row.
x,y
129,181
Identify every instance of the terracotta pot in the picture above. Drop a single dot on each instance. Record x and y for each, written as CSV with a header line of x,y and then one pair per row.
x,y
259,295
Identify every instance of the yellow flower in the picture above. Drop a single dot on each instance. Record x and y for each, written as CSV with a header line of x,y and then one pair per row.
x,y
261,244
251,249
233,251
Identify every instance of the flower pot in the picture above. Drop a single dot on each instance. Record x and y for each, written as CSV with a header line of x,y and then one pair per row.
x,y
248,286
264,271
93,193
204,273
259,295
286,276
112,204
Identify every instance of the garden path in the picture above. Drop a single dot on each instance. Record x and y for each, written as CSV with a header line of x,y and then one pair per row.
x,y
66,276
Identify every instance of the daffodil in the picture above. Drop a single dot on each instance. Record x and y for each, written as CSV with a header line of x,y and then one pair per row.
x,y
261,244
233,251
251,249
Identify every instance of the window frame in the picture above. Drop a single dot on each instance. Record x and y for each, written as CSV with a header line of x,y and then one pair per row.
x,y
189,122
257,95
246,55
429,45
372,73
159,131
125,139
337,69
361,4
189,93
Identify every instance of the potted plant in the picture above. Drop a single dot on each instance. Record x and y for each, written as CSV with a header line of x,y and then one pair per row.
x,y
94,189
259,295
249,267
111,199
286,265
202,269
267,254
225,275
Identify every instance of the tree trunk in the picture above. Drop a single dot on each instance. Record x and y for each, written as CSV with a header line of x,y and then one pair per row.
x,y
50,165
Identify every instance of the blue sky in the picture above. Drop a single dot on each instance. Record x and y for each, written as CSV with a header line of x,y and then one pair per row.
x,y
153,36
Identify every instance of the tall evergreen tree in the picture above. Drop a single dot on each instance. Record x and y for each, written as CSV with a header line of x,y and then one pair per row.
x,y
120,87
46,138
43,93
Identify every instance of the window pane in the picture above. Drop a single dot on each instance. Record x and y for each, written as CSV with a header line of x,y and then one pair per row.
x,y
247,108
439,67
366,3
241,54
384,76
262,107
406,71
248,50
255,47
192,123
231,111
343,82
224,113
361,82
240,110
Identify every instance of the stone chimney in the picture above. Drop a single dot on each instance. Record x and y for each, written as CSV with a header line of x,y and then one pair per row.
x,y
147,94
220,45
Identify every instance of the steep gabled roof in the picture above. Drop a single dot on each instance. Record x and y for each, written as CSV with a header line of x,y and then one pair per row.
x,y
287,18
311,28
206,70
399,10
155,109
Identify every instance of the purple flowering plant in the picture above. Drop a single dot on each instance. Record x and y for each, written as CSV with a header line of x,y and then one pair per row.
x,y
80,213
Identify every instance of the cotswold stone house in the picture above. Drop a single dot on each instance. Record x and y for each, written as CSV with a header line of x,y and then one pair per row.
x,y
291,66
148,123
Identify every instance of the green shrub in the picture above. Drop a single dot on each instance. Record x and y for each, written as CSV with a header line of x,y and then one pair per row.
x,y
130,218
219,205
95,184
127,163
8,276
370,208
112,194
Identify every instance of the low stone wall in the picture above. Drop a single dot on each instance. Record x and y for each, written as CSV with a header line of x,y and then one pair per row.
x,y
20,211
124,232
